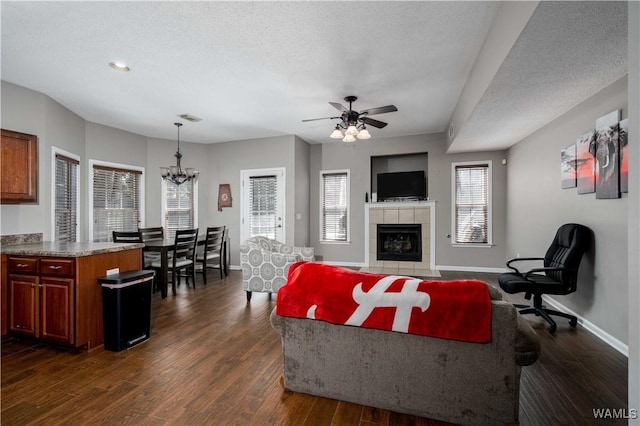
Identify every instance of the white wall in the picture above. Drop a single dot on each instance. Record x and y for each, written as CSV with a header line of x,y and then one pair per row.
x,y
537,206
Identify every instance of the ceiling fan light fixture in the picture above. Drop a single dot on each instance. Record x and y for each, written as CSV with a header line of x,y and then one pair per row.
x,y
364,134
352,130
337,133
349,138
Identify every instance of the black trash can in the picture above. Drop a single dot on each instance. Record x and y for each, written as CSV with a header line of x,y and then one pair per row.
x,y
126,308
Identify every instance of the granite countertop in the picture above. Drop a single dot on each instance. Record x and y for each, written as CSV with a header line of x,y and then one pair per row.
x,y
62,249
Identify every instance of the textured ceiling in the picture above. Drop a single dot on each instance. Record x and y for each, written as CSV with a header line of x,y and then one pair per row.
x,y
567,52
256,69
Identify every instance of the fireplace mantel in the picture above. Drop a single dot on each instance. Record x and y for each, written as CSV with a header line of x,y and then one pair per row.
x,y
408,212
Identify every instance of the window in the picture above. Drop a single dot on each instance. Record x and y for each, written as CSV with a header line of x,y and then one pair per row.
x,y
262,200
65,198
117,195
334,205
471,203
179,206
263,203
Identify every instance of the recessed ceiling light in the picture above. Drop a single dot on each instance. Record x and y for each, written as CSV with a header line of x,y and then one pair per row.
x,y
119,66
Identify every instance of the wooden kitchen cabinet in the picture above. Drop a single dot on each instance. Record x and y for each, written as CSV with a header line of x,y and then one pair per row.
x,y
18,168
42,302
56,309
4,295
58,299
24,304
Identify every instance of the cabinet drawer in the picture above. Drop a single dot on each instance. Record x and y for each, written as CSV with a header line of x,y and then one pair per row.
x,y
23,265
56,267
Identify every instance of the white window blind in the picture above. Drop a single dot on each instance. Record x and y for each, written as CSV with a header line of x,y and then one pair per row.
x,y
472,203
179,207
334,205
116,201
66,198
263,202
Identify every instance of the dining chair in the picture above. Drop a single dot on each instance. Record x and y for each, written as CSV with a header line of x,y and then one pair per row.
x,y
126,237
183,258
151,234
213,250
132,237
148,234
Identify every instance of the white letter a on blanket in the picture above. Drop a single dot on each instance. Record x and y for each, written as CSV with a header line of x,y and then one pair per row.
x,y
377,297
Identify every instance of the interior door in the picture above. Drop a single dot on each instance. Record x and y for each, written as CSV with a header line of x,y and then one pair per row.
x,y
263,192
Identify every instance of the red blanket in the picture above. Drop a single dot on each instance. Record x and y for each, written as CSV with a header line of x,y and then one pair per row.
x,y
458,310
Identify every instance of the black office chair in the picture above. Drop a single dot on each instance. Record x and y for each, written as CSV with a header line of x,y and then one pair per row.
x,y
558,276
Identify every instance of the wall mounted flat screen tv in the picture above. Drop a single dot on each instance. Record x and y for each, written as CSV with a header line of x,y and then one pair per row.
x,y
402,185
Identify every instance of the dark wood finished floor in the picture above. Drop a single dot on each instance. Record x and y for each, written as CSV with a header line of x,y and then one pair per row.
x,y
213,359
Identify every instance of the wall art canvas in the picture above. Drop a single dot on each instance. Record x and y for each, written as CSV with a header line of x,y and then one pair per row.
x,y
585,164
606,151
624,156
568,167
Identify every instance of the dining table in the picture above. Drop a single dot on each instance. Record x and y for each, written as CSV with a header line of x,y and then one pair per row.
x,y
165,246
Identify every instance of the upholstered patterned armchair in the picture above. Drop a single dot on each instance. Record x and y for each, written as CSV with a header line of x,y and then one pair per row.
x,y
265,263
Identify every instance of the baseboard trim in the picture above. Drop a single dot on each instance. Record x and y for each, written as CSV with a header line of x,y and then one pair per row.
x,y
591,327
470,269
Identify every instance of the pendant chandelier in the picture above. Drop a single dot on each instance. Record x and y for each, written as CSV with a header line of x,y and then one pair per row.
x,y
175,174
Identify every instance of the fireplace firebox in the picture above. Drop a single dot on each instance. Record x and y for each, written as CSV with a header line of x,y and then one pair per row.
x,y
401,242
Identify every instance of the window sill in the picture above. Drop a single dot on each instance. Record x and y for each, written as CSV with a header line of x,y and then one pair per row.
x,y
473,245
334,242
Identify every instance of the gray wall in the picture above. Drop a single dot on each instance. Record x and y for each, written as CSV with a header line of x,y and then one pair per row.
x,y
537,206
302,180
357,158
634,208
226,160
27,111
160,153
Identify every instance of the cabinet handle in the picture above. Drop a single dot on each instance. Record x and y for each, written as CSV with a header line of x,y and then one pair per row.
x,y
40,285
55,267
22,265
33,286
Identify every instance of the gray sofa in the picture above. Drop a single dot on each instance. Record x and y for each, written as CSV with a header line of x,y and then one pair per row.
x,y
459,382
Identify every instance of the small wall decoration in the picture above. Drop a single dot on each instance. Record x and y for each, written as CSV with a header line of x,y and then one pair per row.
x,y
624,156
568,167
224,196
585,164
606,151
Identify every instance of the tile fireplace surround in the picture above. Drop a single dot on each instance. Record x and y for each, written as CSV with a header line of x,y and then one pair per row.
x,y
416,212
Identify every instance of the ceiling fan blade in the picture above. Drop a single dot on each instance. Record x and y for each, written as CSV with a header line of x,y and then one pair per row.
x,y
323,118
372,122
379,110
339,107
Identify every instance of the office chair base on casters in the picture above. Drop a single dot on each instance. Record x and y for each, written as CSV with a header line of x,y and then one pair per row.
x,y
546,314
